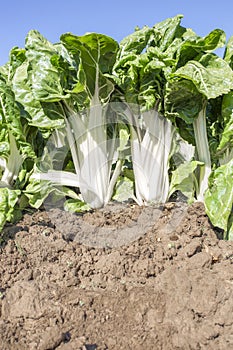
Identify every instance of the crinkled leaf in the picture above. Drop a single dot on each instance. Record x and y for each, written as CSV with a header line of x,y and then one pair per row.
x,y
195,45
183,100
17,57
167,31
48,70
124,189
96,54
228,54
145,58
135,43
11,123
161,35
8,201
219,196
45,116
227,114
211,75
76,206
38,191
183,179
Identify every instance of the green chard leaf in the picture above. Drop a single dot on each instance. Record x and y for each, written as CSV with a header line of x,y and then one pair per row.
x,y
96,55
48,70
38,191
211,75
76,206
183,100
228,54
124,189
193,45
183,179
45,117
11,122
219,197
226,138
8,208
145,58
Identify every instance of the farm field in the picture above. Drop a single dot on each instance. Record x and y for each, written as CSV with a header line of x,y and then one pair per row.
x,y
116,200
171,288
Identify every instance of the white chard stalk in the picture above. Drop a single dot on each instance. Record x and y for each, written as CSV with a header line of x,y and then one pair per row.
x,y
150,156
203,152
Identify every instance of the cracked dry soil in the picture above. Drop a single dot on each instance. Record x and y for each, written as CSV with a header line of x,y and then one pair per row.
x,y
127,278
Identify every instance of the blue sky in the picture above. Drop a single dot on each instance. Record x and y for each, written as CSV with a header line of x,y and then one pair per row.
x,y
114,18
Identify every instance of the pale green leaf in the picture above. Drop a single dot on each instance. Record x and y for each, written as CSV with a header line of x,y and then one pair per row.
x,y
219,197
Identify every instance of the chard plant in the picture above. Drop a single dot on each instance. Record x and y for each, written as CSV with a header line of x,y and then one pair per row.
x,y
143,61
16,154
71,92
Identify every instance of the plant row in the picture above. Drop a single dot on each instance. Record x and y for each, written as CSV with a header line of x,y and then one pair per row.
x,y
88,120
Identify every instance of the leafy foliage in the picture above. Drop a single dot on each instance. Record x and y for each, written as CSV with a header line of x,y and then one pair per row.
x,y
88,120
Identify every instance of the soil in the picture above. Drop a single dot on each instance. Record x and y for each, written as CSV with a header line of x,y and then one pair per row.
x,y
123,277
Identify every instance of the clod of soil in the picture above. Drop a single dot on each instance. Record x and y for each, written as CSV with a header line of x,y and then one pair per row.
x,y
122,277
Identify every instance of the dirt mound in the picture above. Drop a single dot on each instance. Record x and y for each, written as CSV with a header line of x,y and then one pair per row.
x,y
120,278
